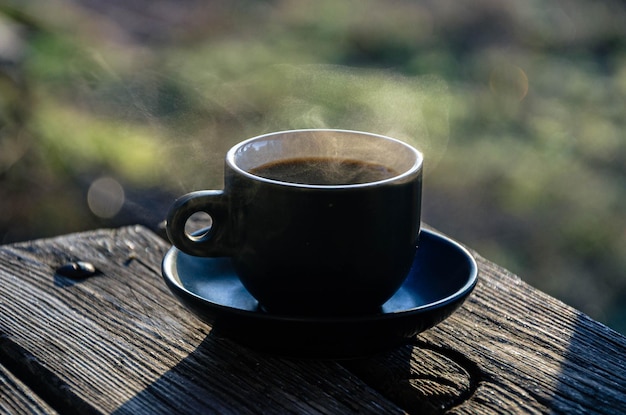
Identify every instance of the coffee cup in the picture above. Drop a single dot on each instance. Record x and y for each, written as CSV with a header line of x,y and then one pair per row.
x,y
317,222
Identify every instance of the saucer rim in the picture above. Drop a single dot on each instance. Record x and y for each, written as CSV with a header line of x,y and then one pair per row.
x,y
174,283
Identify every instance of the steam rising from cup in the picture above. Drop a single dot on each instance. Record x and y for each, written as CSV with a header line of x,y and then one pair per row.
x,y
411,108
194,118
414,109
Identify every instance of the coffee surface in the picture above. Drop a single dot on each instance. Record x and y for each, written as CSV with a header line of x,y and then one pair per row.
x,y
324,171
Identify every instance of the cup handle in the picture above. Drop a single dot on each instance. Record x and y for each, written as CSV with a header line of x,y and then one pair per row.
x,y
214,241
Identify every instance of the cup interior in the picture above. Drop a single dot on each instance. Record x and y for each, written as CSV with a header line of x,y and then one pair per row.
x,y
337,144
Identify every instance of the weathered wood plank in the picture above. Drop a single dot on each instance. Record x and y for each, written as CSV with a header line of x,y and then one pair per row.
x,y
120,342
16,398
521,350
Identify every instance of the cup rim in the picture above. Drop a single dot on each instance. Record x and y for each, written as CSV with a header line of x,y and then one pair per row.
x,y
405,175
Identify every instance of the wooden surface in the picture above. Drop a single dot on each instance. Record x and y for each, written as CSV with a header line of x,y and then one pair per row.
x,y
17,398
118,342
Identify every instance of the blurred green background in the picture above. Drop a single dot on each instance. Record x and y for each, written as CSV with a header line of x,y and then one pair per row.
x,y
111,109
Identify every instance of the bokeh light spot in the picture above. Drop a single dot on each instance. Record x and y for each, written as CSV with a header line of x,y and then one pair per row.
x,y
105,197
509,80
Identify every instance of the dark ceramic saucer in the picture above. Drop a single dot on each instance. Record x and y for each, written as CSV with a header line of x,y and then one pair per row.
x,y
442,276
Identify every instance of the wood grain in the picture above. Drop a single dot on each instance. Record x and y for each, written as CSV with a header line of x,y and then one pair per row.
x,y
16,398
523,350
119,342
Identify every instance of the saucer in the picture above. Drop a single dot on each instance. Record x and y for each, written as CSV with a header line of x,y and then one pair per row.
x,y
442,276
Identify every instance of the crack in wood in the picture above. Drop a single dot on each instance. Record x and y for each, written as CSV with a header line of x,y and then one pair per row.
x,y
45,383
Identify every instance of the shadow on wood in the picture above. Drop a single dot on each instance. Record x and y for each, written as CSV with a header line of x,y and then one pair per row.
x,y
120,342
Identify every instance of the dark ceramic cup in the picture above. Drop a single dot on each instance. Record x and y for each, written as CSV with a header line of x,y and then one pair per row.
x,y
305,242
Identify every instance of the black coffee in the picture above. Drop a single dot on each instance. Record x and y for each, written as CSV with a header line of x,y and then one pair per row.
x,y
323,171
